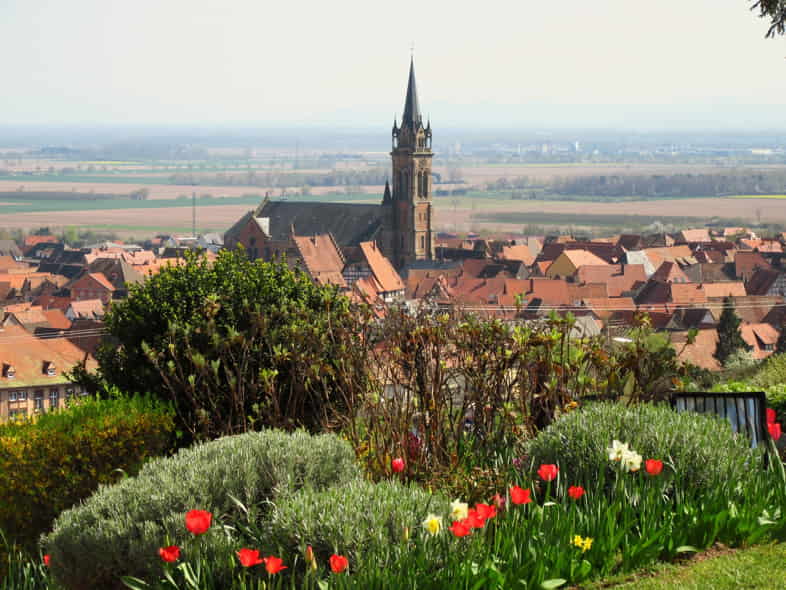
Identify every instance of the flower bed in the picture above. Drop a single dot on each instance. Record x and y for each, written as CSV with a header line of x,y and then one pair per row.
x,y
550,526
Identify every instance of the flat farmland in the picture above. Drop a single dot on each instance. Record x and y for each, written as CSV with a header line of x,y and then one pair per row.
x,y
509,215
145,220
460,214
163,191
543,172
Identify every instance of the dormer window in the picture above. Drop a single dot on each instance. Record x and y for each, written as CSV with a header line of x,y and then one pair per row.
x,y
50,369
8,371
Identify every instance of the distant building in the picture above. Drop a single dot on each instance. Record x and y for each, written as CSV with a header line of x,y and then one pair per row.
x,y
32,372
401,224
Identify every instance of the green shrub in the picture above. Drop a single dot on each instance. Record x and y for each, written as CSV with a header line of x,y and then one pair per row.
x,y
50,464
358,519
771,373
119,529
700,451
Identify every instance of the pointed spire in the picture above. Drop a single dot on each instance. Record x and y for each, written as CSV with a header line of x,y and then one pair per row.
x,y
386,197
411,116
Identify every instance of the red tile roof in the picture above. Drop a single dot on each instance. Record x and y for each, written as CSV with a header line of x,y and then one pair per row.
x,y
87,308
102,280
322,259
35,240
27,354
669,272
725,289
746,263
518,252
696,235
57,319
387,277
687,293
581,258
701,352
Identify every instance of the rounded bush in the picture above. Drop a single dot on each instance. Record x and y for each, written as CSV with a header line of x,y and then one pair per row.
x,y
119,529
359,518
699,451
56,460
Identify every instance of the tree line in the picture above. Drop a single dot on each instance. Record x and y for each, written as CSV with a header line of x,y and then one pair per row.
x,y
673,185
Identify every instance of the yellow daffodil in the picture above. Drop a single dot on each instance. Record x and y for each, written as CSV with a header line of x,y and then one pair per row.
x,y
433,524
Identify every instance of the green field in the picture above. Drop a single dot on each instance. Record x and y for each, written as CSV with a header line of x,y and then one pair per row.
x,y
83,204
758,197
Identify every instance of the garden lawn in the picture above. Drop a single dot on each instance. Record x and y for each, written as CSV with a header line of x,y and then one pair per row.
x,y
758,568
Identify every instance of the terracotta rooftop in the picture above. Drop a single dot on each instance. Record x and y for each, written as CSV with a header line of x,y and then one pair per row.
x,y
384,273
581,258
701,352
518,252
687,293
322,259
87,308
761,281
746,263
35,240
669,272
696,235
27,354
57,319
725,289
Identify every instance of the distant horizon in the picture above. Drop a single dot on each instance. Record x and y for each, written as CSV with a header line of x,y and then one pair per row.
x,y
670,66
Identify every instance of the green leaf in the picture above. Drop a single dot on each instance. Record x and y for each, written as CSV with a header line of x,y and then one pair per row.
x,y
134,583
686,549
553,583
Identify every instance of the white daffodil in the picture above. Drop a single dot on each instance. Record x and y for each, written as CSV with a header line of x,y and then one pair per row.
x,y
631,461
617,450
458,510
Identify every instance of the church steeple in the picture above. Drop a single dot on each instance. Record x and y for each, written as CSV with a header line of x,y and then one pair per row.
x,y
410,196
412,118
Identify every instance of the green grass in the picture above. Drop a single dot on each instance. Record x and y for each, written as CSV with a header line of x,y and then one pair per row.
x,y
758,197
37,206
759,568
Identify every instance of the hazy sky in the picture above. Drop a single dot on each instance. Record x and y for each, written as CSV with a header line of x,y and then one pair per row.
x,y
588,63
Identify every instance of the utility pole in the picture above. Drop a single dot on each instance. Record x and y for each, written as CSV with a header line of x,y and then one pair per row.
x,y
193,213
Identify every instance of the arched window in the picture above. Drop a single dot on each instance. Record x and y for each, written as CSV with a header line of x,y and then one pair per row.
x,y
422,242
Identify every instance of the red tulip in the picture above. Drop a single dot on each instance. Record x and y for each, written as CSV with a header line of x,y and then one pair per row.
x,y
398,465
273,565
249,557
653,466
338,563
473,520
485,511
575,492
548,472
519,495
198,521
169,554
770,416
460,529
47,560
775,430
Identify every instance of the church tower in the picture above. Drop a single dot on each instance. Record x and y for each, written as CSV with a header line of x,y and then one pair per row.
x,y
412,236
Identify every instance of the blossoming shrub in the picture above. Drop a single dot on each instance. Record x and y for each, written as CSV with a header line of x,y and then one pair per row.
x,y
119,530
700,451
359,518
50,464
